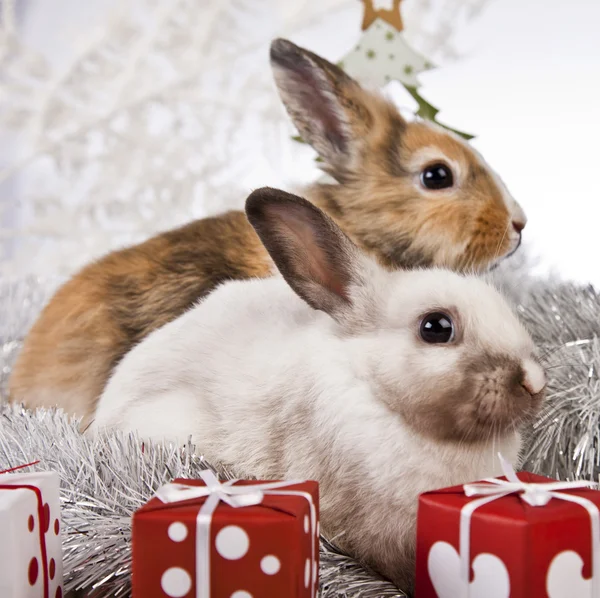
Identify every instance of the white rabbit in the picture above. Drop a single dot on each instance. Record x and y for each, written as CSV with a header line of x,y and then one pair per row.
x,y
378,384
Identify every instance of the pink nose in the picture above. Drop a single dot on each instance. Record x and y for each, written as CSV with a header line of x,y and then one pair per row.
x,y
526,384
534,379
518,225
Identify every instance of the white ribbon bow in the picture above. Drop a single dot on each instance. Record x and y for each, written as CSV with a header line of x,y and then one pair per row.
x,y
536,495
235,496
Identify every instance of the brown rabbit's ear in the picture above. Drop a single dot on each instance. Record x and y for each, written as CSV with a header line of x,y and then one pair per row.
x,y
326,105
314,256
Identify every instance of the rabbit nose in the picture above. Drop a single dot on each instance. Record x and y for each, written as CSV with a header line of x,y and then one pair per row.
x,y
518,225
534,379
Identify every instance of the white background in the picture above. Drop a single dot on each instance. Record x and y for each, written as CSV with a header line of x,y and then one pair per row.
x,y
530,88
527,83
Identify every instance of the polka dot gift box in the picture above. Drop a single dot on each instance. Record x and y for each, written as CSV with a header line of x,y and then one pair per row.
x,y
236,539
30,544
522,536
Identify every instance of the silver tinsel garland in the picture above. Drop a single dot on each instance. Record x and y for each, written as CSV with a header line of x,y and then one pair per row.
x,y
564,320
105,480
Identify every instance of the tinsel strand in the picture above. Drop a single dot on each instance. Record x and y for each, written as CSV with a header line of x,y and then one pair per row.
x,y
104,480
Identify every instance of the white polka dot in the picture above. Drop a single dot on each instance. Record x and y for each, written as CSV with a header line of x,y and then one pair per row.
x,y
306,573
315,569
270,564
176,582
241,594
232,542
306,524
318,529
178,531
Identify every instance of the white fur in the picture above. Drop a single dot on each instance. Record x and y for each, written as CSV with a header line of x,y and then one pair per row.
x,y
260,380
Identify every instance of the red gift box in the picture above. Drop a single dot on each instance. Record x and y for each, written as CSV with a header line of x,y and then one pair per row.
x,y
238,539
522,536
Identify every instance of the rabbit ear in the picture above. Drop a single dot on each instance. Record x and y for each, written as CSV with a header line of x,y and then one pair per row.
x,y
314,256
327,106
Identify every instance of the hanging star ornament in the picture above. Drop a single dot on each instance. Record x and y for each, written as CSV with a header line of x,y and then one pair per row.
x,y
391,16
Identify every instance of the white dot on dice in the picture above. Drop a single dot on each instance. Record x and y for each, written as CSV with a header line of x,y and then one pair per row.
x,y
241,594
306,573
178,531
176,582
306,524
232,542
270,564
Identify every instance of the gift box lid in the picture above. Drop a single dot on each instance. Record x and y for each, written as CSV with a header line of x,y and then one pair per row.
x,y
278,502
28,479
511,507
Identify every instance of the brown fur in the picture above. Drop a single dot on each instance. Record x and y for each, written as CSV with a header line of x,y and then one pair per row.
x,y
112,304
308,245
378,205
486,396
368,148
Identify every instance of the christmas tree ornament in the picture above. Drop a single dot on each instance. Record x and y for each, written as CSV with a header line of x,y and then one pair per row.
x,y
383,55
153,114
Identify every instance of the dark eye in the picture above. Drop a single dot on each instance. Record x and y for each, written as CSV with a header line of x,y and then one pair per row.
x,y
437,176
437,327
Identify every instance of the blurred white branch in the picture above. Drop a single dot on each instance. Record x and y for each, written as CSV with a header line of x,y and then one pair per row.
x,y
166,112
8,17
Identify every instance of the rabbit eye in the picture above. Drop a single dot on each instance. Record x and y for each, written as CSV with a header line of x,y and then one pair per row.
x,y
436,328
437,176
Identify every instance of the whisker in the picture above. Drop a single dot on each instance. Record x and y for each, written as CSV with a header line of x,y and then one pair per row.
x,y
497,253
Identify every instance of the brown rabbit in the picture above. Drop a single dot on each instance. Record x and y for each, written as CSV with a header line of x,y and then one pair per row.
x,y
411,193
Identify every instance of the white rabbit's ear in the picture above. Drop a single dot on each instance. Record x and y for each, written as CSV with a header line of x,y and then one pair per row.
x,y
312,253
